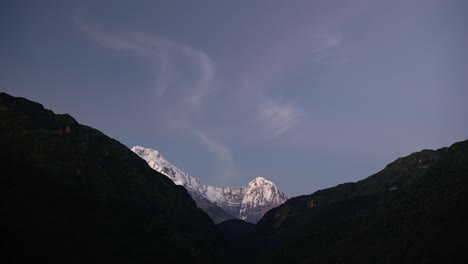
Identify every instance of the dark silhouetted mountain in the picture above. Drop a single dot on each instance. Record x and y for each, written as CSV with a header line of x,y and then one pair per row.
x,y
413,211
70,194
236,233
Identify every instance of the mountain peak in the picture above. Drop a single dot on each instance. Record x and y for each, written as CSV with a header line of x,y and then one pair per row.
x,y
260,181
248,203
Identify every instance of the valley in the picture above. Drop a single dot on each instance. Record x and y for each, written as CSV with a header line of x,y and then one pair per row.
x,y
68,190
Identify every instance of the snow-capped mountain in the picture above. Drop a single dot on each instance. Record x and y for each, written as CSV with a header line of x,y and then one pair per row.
x,y
249,203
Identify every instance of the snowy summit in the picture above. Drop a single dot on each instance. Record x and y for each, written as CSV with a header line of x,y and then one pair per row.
x,y
248,203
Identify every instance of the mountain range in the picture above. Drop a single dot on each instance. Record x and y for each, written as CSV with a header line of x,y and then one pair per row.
x,y
248,203
69,193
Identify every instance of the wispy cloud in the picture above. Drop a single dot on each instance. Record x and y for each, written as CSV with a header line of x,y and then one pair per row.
x,y
277,118
314,40
159,51
290,50
221,151
108,40
188,101
207,71
163,53
270,118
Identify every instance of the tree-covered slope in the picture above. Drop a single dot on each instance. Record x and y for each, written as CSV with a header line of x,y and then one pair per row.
x,y
70,194
413,211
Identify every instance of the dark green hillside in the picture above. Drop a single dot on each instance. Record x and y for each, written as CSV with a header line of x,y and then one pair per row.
x,y
70,194
413,211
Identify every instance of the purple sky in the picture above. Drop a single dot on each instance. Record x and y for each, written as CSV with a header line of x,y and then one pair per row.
x,y
308,94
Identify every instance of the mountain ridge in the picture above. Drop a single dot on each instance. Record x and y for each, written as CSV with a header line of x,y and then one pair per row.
x,y
412,211
248,203
72,194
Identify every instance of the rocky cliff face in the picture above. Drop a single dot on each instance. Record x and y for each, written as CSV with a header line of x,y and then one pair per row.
x,y
248,203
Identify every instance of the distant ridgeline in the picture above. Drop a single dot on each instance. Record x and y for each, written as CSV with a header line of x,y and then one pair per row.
x,y
71,194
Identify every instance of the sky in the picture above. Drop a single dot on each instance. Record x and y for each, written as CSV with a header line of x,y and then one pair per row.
x,y
308,94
